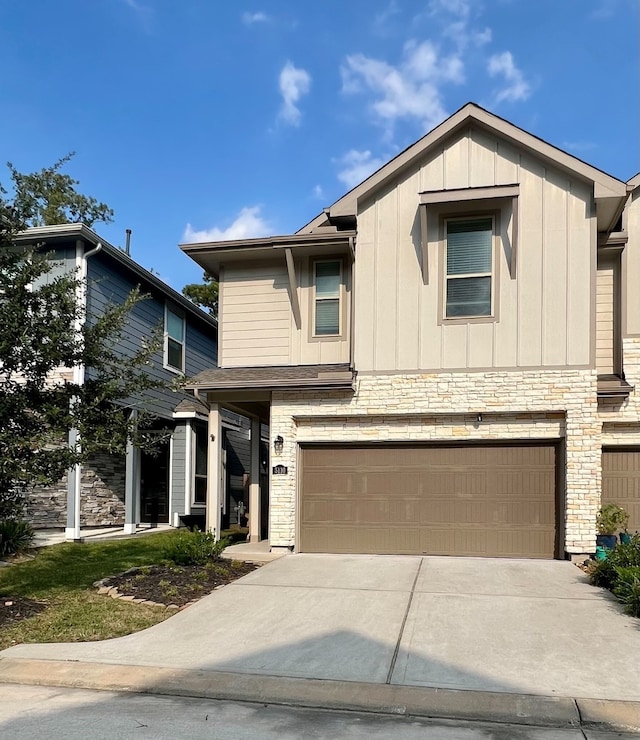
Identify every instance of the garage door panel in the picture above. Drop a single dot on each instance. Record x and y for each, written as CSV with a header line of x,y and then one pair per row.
x,y
621,482
475,500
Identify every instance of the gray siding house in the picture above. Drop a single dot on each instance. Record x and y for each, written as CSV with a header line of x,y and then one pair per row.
x,y
139,488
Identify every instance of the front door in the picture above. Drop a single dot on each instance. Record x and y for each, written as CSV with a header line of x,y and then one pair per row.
x,y
154,485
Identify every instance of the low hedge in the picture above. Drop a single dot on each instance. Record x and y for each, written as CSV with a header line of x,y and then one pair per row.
x,y
620,573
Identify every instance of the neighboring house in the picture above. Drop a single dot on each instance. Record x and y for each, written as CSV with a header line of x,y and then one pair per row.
x,y
448,356
137,487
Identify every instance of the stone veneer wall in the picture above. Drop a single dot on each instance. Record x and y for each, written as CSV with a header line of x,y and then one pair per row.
x,y
102,496
546,404
621,420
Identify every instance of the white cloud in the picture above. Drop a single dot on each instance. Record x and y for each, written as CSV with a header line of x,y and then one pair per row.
x,y
293,83
248,224
144,12
249,19
357,166
517,87
411,90
318,192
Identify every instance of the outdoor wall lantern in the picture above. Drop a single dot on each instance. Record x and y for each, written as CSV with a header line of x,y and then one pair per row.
x,y
478,418
278,444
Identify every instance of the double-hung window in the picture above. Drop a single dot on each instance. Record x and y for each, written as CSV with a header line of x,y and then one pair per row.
x,y
327,281
469,261
200,464
174,331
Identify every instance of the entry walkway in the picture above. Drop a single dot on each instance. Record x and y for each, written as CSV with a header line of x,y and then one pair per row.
x,y
462,637
46,537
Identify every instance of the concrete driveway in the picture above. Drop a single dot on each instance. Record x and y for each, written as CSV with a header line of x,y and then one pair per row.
x,y
514,626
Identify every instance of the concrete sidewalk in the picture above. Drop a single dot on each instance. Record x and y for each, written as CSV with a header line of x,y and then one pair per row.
x,y
497,640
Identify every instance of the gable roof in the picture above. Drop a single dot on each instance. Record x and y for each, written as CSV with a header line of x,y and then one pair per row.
x,y
609,192
60,232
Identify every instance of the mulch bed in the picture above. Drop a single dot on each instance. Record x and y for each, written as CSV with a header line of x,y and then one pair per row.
x,y
176,584
15,608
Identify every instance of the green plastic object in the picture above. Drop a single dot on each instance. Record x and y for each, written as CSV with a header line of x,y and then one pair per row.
x,y
601,553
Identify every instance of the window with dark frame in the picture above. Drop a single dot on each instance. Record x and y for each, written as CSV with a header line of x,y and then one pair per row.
x,y
327,281
469,264
174,329
200,465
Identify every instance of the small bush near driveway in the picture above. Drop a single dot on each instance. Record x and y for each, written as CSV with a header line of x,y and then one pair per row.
x,y
620,573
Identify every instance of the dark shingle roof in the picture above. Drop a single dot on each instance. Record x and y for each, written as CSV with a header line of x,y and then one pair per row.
x,y
274,377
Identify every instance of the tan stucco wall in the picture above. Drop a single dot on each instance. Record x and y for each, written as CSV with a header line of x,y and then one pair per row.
x,y
432,407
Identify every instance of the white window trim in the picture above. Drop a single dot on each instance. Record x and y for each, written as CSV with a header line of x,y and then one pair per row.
x,y
493,274
165,350
314,334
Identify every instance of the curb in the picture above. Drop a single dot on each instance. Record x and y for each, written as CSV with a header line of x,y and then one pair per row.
x,y
523,709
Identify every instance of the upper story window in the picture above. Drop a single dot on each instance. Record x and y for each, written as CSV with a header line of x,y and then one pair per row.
x,y
174,333
469,263
327,281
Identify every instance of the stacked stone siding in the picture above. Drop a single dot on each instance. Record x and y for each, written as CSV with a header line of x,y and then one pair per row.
x,y
102,496
545,404
621,419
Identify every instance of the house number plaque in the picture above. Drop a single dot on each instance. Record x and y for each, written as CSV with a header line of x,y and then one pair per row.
x,y
280,470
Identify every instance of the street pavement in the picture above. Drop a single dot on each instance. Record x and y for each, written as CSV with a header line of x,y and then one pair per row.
x,y
31,713
476,639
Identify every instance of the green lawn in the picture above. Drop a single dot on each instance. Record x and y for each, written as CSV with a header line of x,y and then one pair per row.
x,y
63,576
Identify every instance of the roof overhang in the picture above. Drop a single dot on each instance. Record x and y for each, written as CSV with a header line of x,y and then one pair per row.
x,y
613,386
274,378
610,193
212,255
51,235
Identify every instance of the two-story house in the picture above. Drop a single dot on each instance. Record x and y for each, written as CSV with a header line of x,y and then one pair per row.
x,y
447,355
139,487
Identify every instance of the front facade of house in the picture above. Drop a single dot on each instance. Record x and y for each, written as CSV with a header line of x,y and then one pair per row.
x,y
448,356
127,490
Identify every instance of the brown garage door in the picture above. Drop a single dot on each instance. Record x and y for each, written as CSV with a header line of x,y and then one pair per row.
x,y
445,500
621,481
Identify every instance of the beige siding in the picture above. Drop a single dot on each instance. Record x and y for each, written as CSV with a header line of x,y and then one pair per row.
x,y
254,315
542,318
604,320
305,348
631,268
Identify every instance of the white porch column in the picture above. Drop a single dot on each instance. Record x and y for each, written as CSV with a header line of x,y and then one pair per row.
x,y
254,487
214,471
131,485
74,482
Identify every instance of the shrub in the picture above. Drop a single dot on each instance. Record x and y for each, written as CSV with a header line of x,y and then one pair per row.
x,y
16,536
611,519
627,588
194,548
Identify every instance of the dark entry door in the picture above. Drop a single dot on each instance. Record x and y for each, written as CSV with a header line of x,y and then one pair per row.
x,y
154,485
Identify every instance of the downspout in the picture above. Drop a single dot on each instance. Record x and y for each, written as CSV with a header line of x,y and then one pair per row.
x,y
352,307
78,378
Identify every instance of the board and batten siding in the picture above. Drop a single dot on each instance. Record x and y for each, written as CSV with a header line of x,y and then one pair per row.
x,y
631,268
542,317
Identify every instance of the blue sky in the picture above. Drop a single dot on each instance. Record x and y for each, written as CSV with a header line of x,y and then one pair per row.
x,y
210,119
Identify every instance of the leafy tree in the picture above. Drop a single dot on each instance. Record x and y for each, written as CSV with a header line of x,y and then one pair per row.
x,y
49,197
203,294
43,329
